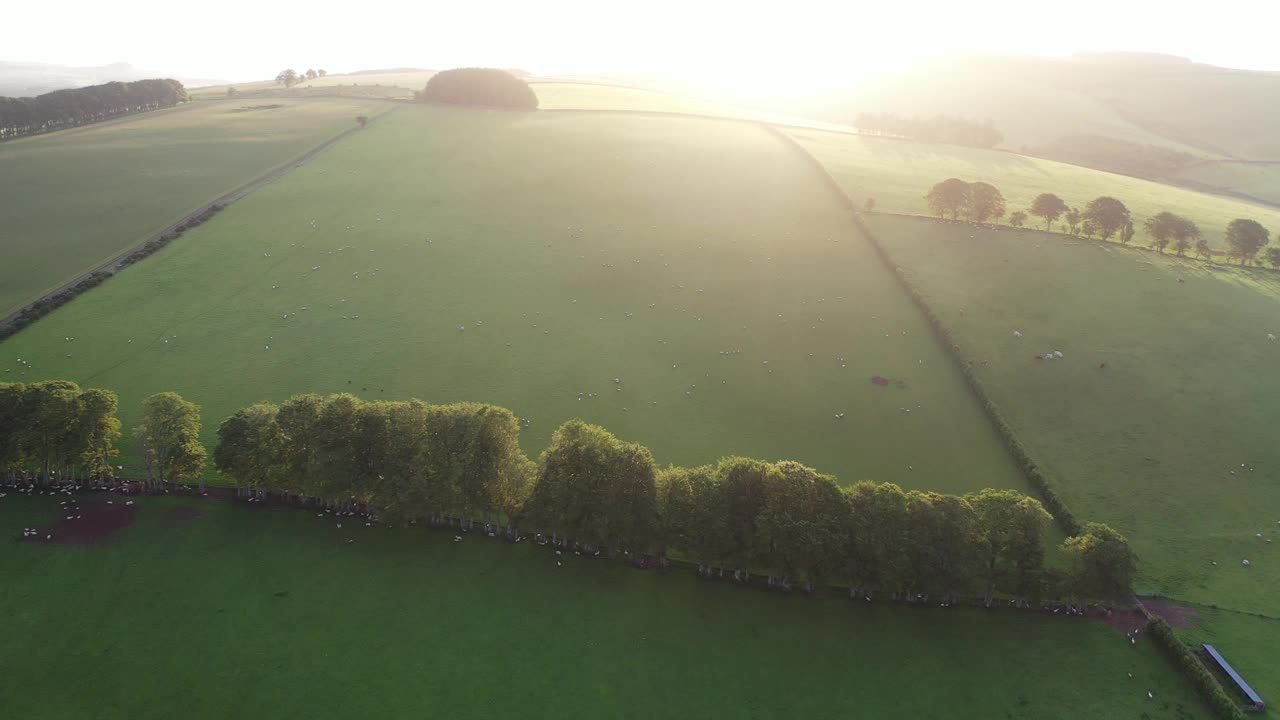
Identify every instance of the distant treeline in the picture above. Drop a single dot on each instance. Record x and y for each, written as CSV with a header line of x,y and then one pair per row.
x,y
1103,217
936,129
69,108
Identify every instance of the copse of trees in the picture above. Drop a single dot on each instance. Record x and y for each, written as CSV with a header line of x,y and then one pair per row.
x,y
1166,228
479,86
937,129
73,107
403,460
54,429
977,201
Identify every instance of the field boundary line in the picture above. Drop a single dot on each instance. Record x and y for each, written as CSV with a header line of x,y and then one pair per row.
x,y
109,265
1030,469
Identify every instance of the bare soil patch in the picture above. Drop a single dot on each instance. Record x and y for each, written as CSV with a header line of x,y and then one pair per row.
x,y
87,523
1174,614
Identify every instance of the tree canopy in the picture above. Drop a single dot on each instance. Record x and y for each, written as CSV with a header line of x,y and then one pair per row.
x,y
983,202
479,86
1102,564
1245,238
948,197
54,428
169,437
1166,228
1106,216
1048,207
69,108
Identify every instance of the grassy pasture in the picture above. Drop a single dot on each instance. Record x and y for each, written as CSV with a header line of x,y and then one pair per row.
x,y
1257,180
1173,441
239,610
71,200
898,173
1247,641
701,263
391,84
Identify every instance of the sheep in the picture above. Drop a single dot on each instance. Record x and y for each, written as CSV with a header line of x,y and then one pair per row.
x,y
1244,563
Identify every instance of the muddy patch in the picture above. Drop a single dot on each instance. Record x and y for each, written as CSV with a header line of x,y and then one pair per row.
x,y
85,523
1174,614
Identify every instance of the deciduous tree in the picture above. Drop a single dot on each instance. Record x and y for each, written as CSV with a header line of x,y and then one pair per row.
x,y
983,202
1245,238
948,197
169,437
1106,215
1102,564
1072,217
1048,207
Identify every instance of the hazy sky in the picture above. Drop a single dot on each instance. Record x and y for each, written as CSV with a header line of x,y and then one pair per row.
x,y
736,42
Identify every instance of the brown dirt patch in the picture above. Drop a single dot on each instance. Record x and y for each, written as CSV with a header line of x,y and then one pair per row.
x,y
1127,621
87,523
1174,614
180,515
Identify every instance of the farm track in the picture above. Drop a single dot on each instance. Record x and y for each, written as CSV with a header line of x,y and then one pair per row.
x,y
238,193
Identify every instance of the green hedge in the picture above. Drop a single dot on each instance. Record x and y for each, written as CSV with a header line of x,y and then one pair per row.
x,y
53,301
1054,504
1204,681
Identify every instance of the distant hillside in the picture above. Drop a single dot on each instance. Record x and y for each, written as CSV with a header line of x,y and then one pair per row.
x,y
19,79
1148,100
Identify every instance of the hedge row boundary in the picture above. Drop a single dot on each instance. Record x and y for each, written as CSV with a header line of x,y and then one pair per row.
x,y
1038,479
28,314
1210,689
47,304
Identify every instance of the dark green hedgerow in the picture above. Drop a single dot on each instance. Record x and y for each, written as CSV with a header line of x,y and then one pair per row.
x,y
1204,681
55,300
1030,469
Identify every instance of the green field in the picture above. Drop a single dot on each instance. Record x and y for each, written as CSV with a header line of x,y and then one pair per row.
x,y
388,84
1248,642
76,198
1257,180
1173,441
257,613
574,249
898,173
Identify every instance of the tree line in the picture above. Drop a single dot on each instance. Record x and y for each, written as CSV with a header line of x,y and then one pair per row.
x,y
1104,217
53,431
72,107
936,129
290,77
410,461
